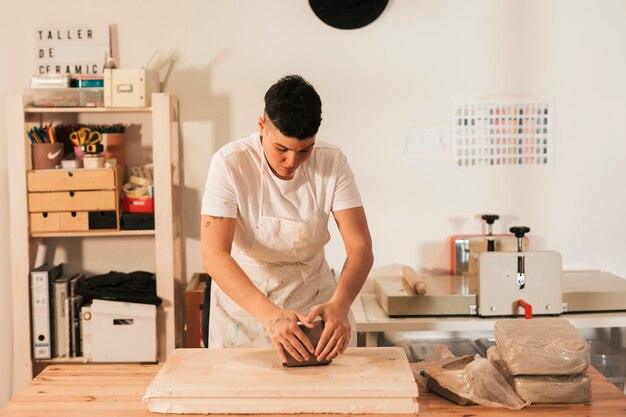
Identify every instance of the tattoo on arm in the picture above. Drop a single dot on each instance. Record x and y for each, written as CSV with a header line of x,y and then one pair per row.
x,y
345,265
213,218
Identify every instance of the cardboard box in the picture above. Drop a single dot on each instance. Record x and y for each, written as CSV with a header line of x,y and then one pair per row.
x,y
130,87
123,332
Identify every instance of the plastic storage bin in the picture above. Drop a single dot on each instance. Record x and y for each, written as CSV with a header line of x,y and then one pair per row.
x,y
64,97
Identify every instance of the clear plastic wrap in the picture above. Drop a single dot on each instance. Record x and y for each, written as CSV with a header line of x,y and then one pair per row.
x,y
544,346
493,355
554,389
544,389
466,380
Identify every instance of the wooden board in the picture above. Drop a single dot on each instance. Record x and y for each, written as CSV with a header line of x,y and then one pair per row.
x,y
446,295
116,390
363,380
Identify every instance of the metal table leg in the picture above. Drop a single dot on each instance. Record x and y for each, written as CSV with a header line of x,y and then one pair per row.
x,y
371,339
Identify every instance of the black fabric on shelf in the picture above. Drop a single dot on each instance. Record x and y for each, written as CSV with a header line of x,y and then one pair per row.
x,y
134,287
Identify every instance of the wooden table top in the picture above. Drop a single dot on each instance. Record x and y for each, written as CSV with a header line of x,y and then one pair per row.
x,y
117,390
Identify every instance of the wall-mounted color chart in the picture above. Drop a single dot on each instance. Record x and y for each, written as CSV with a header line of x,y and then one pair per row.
x,y
503,132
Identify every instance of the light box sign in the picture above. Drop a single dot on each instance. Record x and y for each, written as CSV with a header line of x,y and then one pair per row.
x,y
77,50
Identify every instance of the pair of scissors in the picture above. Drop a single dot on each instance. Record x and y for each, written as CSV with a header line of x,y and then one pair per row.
x,y
85,136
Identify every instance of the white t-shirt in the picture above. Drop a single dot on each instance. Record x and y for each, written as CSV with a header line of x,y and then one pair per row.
x,y
233,186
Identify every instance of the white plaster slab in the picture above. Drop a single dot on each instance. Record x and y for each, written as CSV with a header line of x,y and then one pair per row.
x,y
224,381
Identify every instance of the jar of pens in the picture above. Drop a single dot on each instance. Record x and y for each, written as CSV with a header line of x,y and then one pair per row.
x,y
89,146
114,142
47,152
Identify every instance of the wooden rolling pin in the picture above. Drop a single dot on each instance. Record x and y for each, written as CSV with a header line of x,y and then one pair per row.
x,y
413,279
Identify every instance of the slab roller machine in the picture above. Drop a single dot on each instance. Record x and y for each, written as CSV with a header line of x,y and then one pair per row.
x,y
498,276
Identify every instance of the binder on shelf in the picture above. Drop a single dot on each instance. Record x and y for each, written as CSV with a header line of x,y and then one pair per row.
x,y
61,316
42,314
75,303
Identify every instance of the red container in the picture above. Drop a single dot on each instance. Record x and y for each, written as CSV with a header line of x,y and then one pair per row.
x,y
138,204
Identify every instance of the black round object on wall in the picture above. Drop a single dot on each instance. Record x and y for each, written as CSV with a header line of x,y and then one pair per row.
x,y
348,14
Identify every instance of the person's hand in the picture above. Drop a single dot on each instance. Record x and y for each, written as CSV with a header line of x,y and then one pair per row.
x,y
336,334
282,327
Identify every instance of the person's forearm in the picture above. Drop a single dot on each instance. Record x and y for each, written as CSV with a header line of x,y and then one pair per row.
x,y
225,271
355,269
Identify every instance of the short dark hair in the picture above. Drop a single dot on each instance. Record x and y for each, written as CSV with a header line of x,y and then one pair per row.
x,y
294,107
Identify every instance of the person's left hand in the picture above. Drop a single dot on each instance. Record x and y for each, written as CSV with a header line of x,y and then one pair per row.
x,y
336,334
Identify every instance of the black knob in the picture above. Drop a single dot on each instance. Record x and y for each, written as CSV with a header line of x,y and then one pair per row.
x,y
490,218
519,231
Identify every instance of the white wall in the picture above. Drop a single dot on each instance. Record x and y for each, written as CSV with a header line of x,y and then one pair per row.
x,y
400,72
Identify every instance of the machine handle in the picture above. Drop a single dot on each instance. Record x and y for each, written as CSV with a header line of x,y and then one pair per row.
x,y
519,231
490,218
528,309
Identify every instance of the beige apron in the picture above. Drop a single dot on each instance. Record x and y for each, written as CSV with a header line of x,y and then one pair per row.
x,y
286,263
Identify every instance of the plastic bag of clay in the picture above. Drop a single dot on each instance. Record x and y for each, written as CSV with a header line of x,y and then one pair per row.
x,y
466,380
543,346
495,358
440,357
568,389
554,389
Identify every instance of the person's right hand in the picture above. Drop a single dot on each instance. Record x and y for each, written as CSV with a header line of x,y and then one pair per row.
x,y
282,327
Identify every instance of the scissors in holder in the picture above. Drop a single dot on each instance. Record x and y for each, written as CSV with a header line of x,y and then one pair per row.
x,y
85,136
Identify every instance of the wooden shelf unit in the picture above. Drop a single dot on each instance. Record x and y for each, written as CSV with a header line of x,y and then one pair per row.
x,y
167,234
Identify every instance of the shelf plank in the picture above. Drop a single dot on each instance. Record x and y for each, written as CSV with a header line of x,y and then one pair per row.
x,y
114,233
72,360
87,109
80,360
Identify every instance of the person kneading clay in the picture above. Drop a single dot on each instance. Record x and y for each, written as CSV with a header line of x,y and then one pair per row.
x,y
265,213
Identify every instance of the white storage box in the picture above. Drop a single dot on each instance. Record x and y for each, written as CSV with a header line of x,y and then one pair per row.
x,y
129,87
123,332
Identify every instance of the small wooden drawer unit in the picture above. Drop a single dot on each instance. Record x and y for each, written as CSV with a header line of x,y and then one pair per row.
x,y
46,180
71,201
61,200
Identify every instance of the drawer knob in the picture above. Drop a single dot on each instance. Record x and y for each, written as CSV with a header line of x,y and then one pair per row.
x,y
70,173
71,193
73,214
